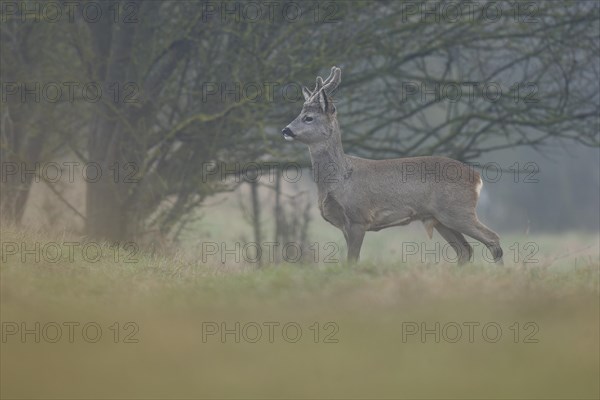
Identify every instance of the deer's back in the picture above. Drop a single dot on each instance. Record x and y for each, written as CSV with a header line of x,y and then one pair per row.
x,y
419,182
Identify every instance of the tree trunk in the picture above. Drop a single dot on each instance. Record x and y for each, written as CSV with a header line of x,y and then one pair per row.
x,y
106,205
20,155
256,216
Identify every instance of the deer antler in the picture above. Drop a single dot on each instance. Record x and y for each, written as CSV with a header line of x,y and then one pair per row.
x,y
330,84
335,77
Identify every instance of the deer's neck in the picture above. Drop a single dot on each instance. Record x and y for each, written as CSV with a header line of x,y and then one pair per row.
x,y
330,165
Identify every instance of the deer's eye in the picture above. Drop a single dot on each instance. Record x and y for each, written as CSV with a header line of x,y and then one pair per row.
x,y
308,119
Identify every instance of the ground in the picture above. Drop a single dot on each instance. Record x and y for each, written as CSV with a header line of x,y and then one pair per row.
x,y
168,327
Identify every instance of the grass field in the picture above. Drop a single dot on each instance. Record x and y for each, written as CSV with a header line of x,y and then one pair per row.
x,y
526,330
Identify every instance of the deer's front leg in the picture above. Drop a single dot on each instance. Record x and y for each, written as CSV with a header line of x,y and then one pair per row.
x,y
354,235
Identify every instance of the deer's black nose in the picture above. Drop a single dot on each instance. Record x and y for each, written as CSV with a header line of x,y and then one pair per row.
x,y
287,132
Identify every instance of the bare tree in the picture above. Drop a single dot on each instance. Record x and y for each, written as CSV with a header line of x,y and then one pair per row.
x,y
202,89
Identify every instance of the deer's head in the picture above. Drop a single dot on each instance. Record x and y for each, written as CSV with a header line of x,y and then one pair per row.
x,y
317,121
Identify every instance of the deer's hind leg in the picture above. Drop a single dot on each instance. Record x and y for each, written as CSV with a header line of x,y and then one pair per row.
x,y
463,249
469,224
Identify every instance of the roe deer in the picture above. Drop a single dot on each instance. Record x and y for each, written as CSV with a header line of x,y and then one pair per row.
x,y
358,195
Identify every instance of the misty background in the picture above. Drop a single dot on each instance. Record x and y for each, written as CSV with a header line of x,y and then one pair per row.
x,y
161,90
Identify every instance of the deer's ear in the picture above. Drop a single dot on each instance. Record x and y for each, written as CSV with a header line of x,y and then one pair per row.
x,y
306,93
323,101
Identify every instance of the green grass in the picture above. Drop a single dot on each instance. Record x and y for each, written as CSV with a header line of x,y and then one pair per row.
x,y
171,298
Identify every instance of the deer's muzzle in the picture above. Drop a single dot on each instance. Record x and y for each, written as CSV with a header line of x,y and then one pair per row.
x,y
288,134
